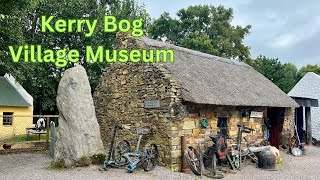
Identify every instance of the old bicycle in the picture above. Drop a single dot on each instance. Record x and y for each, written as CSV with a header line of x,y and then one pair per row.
x,y
120,155
115,155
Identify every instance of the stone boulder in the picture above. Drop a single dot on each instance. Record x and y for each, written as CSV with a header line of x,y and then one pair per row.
x,y
79,132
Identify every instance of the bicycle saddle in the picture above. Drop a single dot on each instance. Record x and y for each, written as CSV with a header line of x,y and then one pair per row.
x,y
143,130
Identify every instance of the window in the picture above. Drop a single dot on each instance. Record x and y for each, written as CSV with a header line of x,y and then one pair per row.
x,y
222,125
7,118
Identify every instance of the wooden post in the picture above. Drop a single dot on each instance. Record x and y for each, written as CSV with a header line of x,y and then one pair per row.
x,y
184,165
48,129
308,124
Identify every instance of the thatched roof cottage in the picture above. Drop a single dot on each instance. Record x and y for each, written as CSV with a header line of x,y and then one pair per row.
x,y
221,91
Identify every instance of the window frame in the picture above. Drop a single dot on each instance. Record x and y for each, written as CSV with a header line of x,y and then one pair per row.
x,y
7,118
223,129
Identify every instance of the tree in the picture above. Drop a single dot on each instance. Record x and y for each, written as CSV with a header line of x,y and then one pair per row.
x,y
283,75
308,68
41,79
288,78
203,28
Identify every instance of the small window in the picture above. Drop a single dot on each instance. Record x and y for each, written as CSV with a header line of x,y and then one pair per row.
x,y
7,118
222,126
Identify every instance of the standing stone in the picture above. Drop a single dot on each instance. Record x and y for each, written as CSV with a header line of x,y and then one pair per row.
x,y
79,133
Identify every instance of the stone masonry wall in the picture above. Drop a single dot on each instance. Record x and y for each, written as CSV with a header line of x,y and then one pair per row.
x,y
190,127
120,99
288,125
120,96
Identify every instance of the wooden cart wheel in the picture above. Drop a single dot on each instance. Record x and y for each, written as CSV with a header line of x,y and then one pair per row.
x,y
177,111
193,160
121,148
149,158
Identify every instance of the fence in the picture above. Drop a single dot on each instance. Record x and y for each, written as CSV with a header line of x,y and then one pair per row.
x,y
26,133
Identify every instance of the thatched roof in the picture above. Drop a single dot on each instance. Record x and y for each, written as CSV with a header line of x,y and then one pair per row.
x,y
207,79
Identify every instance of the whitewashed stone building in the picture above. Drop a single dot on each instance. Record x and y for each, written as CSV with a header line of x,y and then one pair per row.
x,y
309,87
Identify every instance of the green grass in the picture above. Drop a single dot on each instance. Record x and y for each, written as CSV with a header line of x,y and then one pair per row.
x,y
22,138
57,166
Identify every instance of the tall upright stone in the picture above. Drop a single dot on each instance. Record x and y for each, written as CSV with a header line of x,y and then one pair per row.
x,y
79,132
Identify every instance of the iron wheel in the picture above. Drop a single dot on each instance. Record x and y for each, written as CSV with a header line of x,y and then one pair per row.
x,y
193,160
149,158
121,148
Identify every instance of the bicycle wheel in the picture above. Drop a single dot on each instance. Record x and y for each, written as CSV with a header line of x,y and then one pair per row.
x,y
193,160
121,148
149,158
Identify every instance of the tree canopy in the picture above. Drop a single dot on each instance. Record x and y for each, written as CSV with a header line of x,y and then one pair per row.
x,y
22,27
203,28
286,75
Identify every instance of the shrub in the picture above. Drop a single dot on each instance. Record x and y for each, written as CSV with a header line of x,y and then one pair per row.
x,y
83,162
58,165
98,159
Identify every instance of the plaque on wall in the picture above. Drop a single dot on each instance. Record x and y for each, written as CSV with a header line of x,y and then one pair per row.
x,y
255,114
151,104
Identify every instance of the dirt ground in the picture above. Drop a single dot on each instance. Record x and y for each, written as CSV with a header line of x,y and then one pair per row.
x,y
35,167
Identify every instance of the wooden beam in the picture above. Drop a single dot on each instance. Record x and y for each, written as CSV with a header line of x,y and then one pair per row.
x,y
308,124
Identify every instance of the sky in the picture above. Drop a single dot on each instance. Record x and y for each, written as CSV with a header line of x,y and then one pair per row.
x,y
286,29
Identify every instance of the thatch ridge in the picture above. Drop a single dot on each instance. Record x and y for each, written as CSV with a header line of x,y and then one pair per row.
x,y
158,45
208,79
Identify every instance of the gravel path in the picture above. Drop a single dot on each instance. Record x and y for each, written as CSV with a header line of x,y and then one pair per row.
x,y
294,168
34,166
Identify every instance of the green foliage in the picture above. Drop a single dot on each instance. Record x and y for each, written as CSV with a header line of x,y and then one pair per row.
x,y
283,75
22,27
22,138
58,165
203,28
309,68
83,162
98,159
288,77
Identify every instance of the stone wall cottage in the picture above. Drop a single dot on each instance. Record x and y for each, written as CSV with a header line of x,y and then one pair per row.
x,y
210,87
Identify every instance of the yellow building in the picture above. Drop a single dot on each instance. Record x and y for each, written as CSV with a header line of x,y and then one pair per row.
x,y
16,108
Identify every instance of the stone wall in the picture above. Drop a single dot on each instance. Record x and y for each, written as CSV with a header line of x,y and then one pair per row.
x,y
120,97
190,127
288,125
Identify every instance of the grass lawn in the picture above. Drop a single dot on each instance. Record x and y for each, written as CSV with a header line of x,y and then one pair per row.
x,y
22,138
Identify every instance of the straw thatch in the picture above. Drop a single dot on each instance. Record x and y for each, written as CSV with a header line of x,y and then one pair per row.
x,y
207,79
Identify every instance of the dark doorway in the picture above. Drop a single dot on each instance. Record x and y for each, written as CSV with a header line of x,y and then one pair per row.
x,y
276,118
299,123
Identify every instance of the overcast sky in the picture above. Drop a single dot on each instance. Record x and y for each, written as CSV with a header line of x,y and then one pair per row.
x,y
287,29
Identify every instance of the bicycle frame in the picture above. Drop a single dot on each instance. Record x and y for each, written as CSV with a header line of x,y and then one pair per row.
x,y
110,160
137,154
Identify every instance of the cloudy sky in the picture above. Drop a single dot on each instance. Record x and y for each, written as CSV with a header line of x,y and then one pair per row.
x,y
287,29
